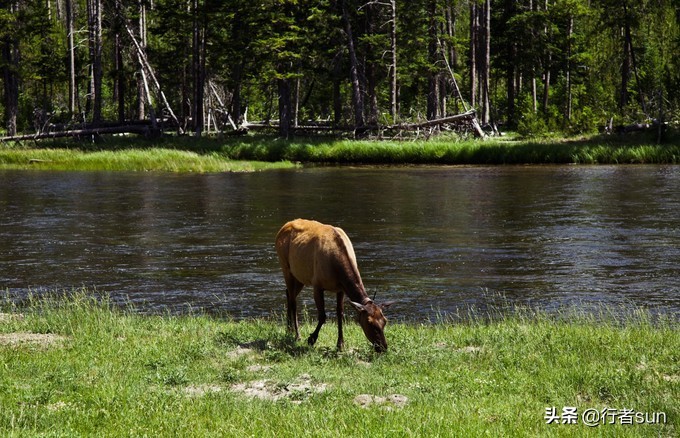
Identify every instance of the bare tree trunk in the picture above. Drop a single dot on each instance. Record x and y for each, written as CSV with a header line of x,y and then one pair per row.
x,y
296,107
198,67
534,97
474,36
486,75
433,111
546,74
119,80
570,31
393,67
628,46
141,100
71,59
357,98
94,19
235,106
451,49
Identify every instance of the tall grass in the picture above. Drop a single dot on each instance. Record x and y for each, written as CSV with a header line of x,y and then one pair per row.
x,y
596,150
253,152
152,159
118,373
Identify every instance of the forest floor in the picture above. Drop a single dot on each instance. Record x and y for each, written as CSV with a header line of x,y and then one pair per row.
x,y
78,366
260,152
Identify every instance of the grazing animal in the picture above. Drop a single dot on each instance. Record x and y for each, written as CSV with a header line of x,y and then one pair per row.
x,y
321,256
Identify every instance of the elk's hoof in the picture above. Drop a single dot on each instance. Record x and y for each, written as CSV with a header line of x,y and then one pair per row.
x,y
311,340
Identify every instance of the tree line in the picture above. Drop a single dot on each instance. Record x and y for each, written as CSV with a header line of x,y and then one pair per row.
x,y
534,65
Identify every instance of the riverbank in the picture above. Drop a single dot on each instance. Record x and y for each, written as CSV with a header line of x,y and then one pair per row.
x,y
442,151
257,152
79,367
152,158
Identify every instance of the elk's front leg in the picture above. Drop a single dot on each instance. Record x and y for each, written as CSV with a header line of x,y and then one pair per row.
x,y
321,309
340,310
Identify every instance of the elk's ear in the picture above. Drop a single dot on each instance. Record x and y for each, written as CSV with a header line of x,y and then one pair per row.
x,y
384,306
357,306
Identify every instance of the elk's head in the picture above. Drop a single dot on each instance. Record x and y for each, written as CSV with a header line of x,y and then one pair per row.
x,y
373,323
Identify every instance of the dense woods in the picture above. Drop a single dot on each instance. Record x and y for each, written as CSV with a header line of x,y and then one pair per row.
x,y
193,65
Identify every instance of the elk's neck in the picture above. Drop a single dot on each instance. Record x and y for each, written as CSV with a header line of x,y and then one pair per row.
x,y
356,292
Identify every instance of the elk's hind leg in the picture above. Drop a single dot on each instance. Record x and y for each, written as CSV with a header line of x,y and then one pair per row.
x,y
293,288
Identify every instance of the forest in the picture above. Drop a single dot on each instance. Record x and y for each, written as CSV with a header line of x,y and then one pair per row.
x,y
198,66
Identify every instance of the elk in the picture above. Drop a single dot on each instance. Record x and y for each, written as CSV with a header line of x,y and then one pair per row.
x,y
322,256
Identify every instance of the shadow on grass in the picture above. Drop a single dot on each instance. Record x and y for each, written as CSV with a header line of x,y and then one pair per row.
x,y
272,343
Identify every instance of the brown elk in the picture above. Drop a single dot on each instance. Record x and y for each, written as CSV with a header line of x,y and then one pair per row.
x,y
322,256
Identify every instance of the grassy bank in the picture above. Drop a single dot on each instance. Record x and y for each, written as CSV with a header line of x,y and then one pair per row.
x,y
76,367
592,150
128,159
256,152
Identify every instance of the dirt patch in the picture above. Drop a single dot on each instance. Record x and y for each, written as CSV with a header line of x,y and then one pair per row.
x,y
393,401
298,390
37,339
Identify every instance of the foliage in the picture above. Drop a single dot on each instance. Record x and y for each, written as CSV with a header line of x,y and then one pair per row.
x,y
581,46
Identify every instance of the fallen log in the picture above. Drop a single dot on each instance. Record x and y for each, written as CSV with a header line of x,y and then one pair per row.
x,y
124,129
470,115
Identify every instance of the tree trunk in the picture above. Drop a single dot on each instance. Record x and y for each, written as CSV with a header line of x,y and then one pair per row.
x,y
546,74
141,99
285,110
570,32
71,59
486,74
357,98
534,97
236,78
198,62
474,36
450,49
119,80
432,76
94,19
393,67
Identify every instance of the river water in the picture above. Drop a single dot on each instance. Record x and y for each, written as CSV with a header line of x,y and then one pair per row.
x,y
437,240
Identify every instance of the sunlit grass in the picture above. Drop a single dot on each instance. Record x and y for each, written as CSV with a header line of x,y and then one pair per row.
x,y
152,159
256,152
118,373
595,150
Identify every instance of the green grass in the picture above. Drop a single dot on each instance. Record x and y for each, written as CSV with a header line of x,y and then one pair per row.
x,y
118,373
150,159
257,152
593,150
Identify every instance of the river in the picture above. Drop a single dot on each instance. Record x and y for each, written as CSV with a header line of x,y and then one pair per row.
x,y
436,240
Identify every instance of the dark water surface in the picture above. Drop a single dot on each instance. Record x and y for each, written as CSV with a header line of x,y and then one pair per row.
x,y
436,239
